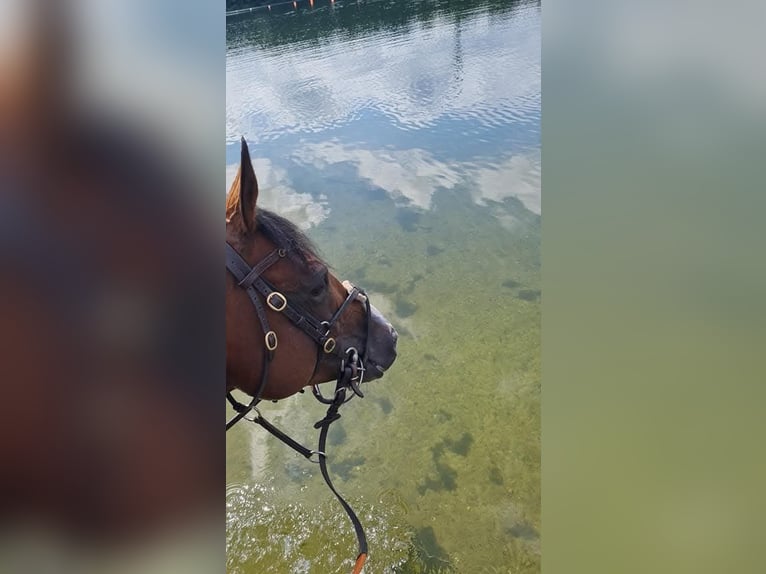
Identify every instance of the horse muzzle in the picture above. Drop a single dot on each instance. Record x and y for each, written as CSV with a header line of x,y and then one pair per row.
x,y
381,344
381,348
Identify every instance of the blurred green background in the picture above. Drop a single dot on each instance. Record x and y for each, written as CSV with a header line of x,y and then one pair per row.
x,y
653,283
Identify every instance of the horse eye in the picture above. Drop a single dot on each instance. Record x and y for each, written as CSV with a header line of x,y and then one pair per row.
x,y
320,289
317,291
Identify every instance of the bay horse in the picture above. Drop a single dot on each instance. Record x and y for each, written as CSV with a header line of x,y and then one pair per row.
x,y
291,323
296,278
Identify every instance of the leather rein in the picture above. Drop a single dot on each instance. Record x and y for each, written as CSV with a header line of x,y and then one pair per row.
x,y
351,372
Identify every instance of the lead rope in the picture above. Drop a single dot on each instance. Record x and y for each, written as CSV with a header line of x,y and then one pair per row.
x,y
330,417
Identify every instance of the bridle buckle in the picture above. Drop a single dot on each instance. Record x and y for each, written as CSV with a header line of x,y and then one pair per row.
x,y
280,303
319,454
271,341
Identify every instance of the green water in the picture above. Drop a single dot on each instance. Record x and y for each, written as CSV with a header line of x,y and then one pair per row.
x,y
404,137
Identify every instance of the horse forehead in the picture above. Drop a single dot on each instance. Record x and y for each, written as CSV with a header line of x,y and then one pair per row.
x,y
300,271
314,263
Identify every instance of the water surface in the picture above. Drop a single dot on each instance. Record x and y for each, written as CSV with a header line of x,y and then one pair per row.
x,y
404,136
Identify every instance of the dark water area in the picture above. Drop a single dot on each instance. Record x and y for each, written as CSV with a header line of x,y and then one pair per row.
x,y
404,137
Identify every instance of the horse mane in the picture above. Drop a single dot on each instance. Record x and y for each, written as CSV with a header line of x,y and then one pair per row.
x,y
284,233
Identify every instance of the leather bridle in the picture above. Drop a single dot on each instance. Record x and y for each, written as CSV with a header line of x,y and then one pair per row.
x,y
351,371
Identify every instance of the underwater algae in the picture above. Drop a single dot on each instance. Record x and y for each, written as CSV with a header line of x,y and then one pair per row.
x,y
451,433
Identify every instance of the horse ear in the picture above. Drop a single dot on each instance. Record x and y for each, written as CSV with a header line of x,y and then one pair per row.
x,y
248,188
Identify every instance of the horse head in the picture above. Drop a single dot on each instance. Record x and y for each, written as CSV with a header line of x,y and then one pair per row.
x,y
287,308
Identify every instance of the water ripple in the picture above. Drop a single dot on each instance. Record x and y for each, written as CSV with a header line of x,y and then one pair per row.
x,y
437,71
263,534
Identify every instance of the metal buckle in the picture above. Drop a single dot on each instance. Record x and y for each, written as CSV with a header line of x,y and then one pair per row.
x,y
329,345
255,418
319,453
271,340
281,303
354,362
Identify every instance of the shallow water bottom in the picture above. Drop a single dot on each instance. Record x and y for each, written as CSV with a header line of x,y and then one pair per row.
x,y
441,460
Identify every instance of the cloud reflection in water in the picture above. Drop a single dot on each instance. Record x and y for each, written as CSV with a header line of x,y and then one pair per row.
x,y
276,194
413,176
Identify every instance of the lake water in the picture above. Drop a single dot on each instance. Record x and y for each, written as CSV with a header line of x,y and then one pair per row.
x,y
404,137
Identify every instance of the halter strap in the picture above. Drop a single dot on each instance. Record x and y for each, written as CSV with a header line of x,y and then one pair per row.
x,y
250,279
237,266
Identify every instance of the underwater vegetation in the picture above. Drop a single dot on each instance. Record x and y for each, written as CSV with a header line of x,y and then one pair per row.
x,y
453,429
